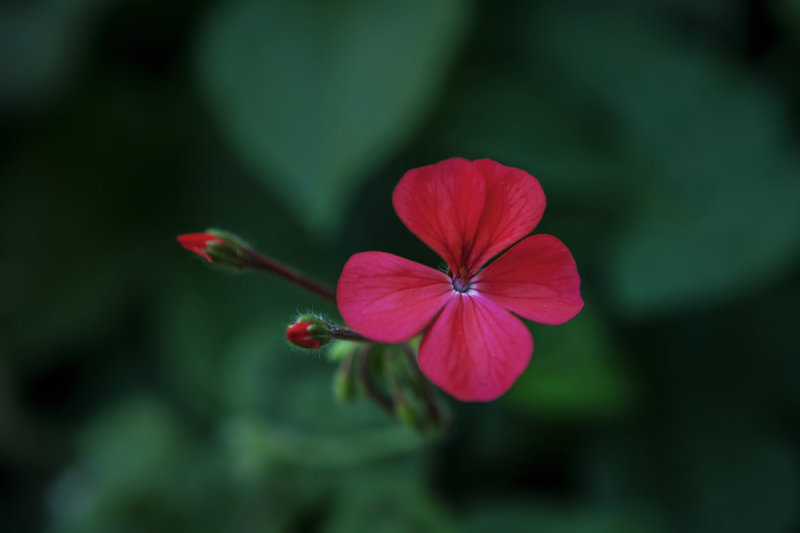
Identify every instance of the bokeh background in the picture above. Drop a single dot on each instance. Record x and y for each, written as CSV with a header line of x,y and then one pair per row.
x,y
142,390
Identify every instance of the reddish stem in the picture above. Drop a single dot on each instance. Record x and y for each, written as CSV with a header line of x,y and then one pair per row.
x,y
273,267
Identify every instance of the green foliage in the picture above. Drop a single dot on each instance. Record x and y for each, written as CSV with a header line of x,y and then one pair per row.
x,y
143,390
574,372
39,44
130,458
388,501
719,180
347,82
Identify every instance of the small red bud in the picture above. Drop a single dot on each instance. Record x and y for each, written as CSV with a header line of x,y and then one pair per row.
x,y
198,243
299,335
218,247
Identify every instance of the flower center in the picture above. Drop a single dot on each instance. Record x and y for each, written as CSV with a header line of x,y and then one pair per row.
x,y
461,281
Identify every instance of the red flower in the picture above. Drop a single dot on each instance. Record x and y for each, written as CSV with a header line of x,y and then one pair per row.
x,y
198,243
467,212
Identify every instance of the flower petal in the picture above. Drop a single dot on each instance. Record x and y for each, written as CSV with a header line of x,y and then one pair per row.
x,y
198,243
514,205
390,299
475,350
468,212
442,205
536,279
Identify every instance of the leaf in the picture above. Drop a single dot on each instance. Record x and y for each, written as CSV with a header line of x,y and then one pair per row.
x,y
387,500
313,95
130,453
718,211
254,446
41,44
283,410
575,371
542,128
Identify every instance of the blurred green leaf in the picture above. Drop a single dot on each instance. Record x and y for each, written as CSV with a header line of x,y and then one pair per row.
x,y
128,455
114,451
719,210
544,128
222,338
264,375
385,500
255,446
40,47
282,407
313,95
575,371
37,49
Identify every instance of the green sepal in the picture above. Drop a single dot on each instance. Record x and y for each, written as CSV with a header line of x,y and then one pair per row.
x,y
232,252
344,388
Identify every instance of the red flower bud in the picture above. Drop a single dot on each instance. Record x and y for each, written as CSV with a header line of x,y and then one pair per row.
x,y
299,334
198,243
310,332
218,247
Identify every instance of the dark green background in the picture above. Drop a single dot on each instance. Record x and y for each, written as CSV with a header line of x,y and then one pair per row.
x,y
141,390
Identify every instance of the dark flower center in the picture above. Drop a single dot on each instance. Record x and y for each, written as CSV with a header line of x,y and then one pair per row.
x,y
461,281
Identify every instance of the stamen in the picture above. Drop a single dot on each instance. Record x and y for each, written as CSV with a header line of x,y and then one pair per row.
x,y
461,282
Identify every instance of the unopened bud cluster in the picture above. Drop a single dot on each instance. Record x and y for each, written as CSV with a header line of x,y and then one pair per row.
x,y
389,377
385,374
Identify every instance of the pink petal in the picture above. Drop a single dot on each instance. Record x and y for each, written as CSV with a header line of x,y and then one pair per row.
x,y
467,211
390,299
475,350
442,205
537,279
514,205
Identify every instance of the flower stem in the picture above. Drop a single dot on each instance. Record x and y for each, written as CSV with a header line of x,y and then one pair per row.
x,y
431,405
259,262
346,334
397,392
370,388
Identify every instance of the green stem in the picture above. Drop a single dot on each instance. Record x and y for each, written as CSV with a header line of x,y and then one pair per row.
x,y
369,385
397,393
431,405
